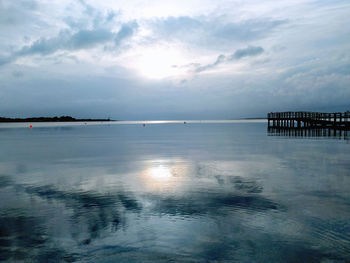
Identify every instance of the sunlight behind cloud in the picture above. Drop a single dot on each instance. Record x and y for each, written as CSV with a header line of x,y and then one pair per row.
x,y
159,63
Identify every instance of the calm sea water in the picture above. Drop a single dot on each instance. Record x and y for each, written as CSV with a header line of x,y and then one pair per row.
x,y
172,192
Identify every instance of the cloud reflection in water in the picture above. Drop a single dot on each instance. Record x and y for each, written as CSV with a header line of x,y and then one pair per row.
x,y
171,195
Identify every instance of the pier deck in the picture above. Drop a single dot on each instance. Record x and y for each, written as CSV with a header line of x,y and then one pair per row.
x,y
303,119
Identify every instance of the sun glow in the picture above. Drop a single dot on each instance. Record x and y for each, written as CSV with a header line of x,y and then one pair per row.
x,y
163,175
159,63
158,177
160,173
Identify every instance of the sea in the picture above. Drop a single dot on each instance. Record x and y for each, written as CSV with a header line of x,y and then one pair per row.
x,y
173,191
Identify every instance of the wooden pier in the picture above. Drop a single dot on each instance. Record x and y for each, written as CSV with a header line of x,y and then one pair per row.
x,y
303,119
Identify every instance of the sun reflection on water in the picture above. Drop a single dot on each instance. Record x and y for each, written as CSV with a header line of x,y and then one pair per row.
x,y
163,175
160,173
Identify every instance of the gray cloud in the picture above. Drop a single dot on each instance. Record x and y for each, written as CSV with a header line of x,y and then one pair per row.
x,y
213,31
5,60
205,96
220,59
174,25
89,29
248,30
65,40
17,74
16,12
250,51
246,52
126,31
90,17
88,38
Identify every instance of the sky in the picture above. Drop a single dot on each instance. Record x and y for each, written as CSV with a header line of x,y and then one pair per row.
x,y
184,59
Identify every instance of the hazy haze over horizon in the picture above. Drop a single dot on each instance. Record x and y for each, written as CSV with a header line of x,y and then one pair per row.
x,y
173,59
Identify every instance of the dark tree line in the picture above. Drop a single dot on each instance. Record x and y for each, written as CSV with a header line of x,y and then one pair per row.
x,y
48,119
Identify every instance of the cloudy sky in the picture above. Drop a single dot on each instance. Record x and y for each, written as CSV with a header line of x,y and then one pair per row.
x,y
184,59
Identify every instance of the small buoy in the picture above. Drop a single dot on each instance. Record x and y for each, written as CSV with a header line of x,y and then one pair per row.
x,y
30,126
143,125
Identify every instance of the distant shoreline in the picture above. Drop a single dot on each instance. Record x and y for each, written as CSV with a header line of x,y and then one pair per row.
x,y
71,119
50,119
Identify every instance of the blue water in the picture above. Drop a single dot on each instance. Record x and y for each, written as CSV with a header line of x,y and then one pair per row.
x,y
172,192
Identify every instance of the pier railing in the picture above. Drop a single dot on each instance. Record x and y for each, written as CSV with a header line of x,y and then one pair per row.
x,y
303,119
